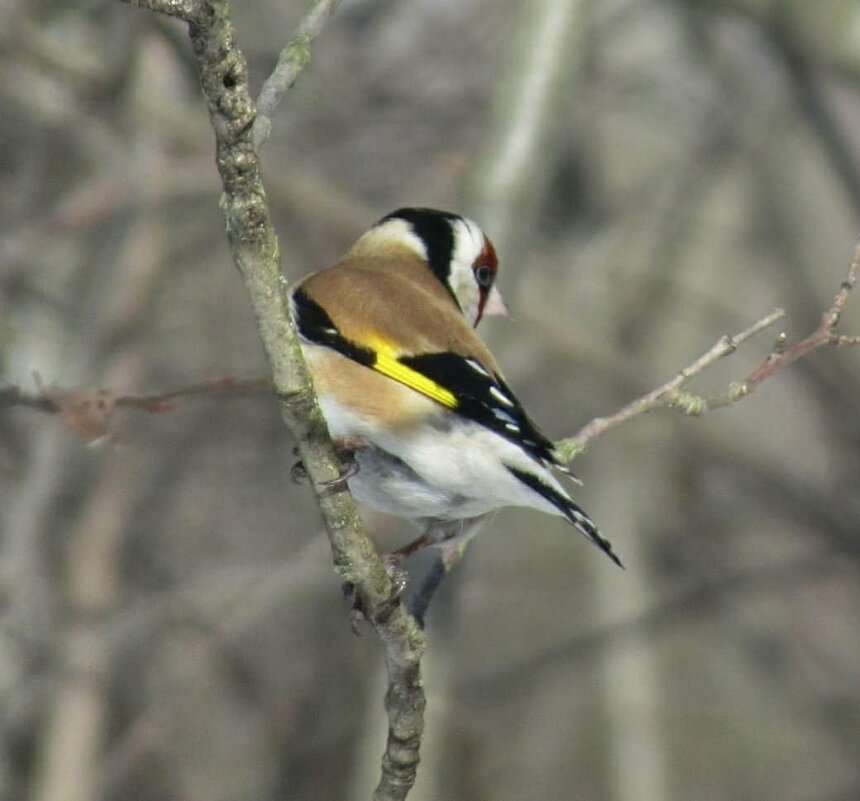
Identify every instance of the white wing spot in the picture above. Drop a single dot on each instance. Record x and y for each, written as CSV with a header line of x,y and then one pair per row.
x,y
501,414
501,397
477,367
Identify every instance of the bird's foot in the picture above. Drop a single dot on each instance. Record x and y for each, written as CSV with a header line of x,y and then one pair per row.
x,y
350,470
346,448
399,579
298,473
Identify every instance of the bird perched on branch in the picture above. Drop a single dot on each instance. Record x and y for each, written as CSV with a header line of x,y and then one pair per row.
x,y
412,397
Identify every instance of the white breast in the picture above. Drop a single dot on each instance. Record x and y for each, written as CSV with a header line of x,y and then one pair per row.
x,y
445,468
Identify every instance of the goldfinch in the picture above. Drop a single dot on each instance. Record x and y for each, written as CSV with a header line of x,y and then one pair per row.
x,y
410,393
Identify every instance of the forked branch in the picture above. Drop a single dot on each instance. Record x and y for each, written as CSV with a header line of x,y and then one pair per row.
x,y
672,393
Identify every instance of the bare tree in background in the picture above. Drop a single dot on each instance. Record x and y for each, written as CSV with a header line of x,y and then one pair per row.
x,y
157,620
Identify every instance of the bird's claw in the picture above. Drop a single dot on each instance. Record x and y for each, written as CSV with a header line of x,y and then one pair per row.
x,y
357,615
299,474
345,449
350,471
399,579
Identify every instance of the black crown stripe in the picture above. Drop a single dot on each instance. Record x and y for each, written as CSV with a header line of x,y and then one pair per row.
x,y
434,229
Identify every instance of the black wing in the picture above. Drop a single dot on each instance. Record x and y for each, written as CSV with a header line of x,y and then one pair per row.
x,y
484,397
460,383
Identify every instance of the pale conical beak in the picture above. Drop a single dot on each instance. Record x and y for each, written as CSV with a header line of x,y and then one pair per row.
x,y
495,304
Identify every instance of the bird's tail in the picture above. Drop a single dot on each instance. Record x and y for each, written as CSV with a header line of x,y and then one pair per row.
x,y
587,526
569,510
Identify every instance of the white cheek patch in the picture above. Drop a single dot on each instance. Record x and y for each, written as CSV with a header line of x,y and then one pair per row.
x,y
468,244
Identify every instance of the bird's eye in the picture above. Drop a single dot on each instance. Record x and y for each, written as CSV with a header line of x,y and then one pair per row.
x,y
484,276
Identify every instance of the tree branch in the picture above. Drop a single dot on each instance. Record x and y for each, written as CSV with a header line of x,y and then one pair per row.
x,y
89,412
187,10
254,245
825,334
291,62
670,394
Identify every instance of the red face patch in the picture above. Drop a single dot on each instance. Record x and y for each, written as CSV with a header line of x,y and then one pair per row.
x,y
484,268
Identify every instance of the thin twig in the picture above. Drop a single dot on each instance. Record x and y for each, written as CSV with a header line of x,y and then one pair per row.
x,y
292,61
187,10
12,396
89,411
825,334
158,402
670,394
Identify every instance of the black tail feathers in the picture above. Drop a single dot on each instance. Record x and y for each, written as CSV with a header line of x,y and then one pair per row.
x,y
569,509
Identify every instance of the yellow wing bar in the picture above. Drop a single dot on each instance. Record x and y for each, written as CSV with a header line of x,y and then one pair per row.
x,y
388,364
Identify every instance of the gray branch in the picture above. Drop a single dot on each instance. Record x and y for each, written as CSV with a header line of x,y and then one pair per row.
x,y
291,62
254,245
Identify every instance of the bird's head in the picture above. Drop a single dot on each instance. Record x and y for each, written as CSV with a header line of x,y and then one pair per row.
x,y
455,249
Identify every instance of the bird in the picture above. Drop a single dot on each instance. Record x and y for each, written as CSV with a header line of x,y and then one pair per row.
x,y
413,399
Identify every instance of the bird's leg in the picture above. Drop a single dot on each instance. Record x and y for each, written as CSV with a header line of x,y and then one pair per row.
x,y
456,533
401,554
346,447
393,562
448,554
451,547
420,600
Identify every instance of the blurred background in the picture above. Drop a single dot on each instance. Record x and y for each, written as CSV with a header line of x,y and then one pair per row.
x,y
654,173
